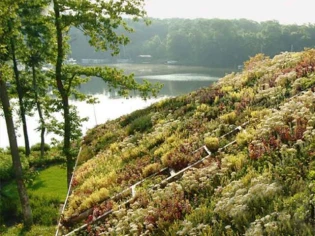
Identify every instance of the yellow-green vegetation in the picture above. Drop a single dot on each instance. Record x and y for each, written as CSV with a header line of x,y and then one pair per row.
x,y
212,143
259,180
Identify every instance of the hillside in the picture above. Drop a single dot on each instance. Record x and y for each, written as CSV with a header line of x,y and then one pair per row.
x,y
234,158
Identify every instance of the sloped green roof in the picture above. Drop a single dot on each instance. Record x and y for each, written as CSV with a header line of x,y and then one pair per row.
x,y
234,158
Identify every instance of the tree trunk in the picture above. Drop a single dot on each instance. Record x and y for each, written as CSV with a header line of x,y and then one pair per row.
x,y
26,208
40,114
20,96
63,92
67,137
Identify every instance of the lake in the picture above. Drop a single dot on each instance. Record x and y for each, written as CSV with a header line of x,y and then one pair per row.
x,y
177,80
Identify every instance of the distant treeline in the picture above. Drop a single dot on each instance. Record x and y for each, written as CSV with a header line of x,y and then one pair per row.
x,y
207,42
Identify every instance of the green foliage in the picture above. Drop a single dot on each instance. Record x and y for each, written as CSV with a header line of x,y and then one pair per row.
x,y
6,167
140,124
6,170
49,182
47,190
36,230
167,39
104,141
10,207
45,209
52,157
37,147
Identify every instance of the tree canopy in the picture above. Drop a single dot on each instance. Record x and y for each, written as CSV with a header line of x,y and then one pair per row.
x,y
208,42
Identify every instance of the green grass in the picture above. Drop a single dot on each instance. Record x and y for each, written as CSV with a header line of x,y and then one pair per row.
x,y
50,182
47,192
35,231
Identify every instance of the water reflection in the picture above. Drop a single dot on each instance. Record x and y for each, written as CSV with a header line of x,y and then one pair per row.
x,y
174,84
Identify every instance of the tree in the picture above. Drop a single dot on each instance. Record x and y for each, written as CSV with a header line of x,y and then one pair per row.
x,y
7,13
38,50
14,41
99,20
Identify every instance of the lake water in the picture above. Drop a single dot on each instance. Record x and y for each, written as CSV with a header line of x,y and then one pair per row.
x,y
177,80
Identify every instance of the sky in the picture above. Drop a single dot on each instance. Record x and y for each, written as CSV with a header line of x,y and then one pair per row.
x,y
284,11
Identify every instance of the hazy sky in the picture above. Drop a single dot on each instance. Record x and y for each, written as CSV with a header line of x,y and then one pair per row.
x,y
285,11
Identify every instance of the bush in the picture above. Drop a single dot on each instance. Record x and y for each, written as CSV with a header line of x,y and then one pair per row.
x,y
36,147
45,209
6,169
6,166
54,156
9,207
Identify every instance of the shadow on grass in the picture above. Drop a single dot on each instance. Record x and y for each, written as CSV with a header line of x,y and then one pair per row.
x,y
37,185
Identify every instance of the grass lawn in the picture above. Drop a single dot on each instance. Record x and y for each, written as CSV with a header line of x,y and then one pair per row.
x,y
50,182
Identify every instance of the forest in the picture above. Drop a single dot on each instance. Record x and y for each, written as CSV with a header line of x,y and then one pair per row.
x,y
208,42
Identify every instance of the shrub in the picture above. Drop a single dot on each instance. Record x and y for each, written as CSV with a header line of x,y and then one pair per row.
x,y
9,205
45,209
6,170
54,156
175,160
212,143
6,167
37,146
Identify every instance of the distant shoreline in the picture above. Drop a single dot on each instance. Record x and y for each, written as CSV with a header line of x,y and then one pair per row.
x,y
142,69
